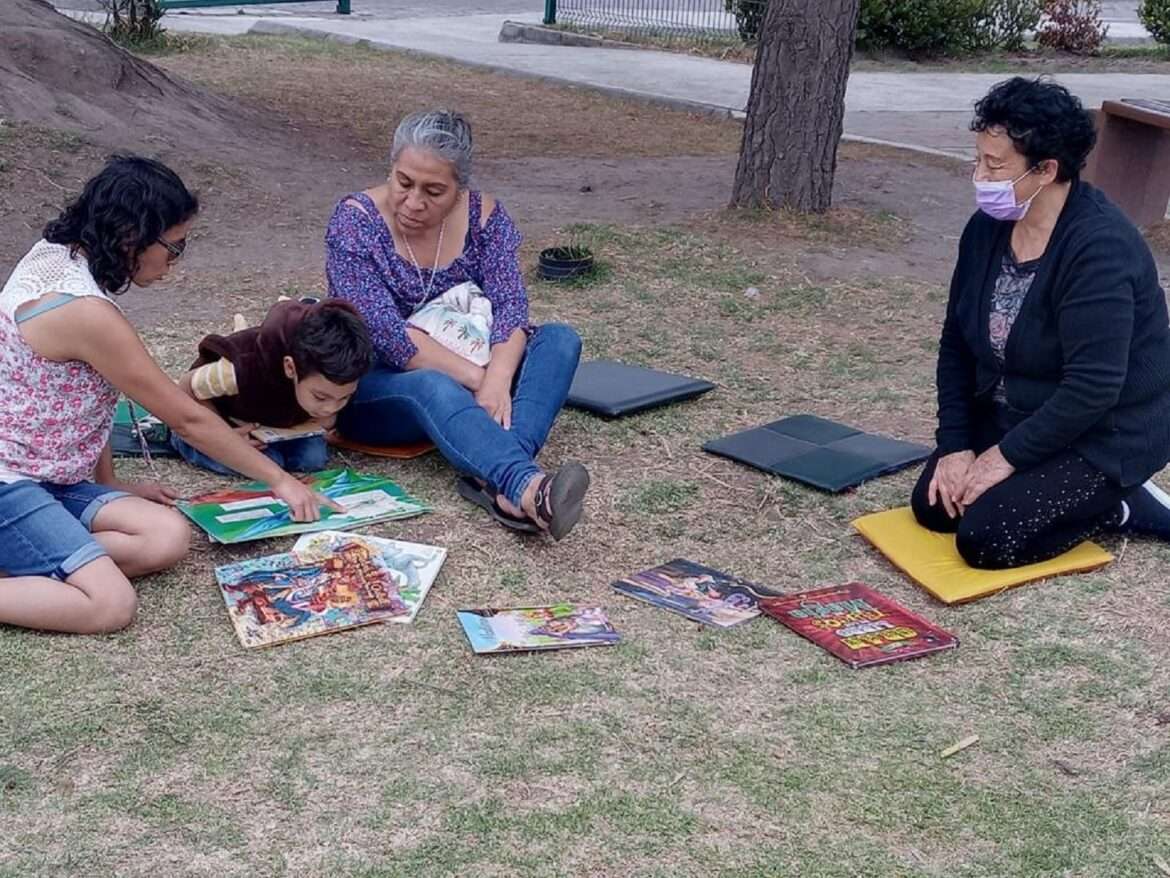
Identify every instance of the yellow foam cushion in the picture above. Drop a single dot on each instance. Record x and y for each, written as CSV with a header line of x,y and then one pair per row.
x,y
932,560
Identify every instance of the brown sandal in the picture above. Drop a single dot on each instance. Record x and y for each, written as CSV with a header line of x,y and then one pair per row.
x,y
559,499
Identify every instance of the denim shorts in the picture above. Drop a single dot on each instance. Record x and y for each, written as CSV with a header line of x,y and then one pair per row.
x,y
45,528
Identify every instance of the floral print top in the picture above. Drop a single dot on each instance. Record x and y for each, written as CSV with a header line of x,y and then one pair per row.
x,y
55,417
365,269
1011,288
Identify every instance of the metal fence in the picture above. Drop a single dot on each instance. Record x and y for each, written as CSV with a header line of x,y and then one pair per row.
x,y
669,19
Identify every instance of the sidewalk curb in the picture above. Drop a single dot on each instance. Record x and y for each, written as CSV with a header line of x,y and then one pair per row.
x,y
539,34
276,28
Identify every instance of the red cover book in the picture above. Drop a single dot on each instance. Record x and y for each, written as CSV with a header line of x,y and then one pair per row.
x,y
858,625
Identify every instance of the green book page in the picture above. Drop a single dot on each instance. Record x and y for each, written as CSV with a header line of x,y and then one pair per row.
x,y
251,512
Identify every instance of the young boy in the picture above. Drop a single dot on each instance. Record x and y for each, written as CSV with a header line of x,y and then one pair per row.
x,y
296,369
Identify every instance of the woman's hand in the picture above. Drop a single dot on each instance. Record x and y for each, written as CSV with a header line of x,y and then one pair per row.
x,y
304,504
151,491
989,469
495,397
951,475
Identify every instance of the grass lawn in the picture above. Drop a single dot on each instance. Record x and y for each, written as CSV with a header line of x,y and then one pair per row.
x,y
684,751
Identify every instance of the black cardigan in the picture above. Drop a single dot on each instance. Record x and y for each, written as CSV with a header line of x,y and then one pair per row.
x,y
1087,363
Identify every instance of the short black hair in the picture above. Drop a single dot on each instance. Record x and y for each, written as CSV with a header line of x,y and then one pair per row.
x,y
332,341
1043,119
120,212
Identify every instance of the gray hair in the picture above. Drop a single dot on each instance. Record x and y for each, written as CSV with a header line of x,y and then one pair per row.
x,y
445,133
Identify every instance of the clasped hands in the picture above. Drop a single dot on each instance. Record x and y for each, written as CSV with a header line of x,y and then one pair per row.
x,y
962,478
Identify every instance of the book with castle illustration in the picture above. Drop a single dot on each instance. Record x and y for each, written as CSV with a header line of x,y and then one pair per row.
x,y
531,628
858,625
330,582
697,592
412,566
251,512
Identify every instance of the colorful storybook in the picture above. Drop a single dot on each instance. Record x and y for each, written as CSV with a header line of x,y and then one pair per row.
x,y
858,625
412,566
696,592
526,628
290,597
251,512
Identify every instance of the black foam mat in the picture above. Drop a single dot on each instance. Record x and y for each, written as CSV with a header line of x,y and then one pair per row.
x,y
818,452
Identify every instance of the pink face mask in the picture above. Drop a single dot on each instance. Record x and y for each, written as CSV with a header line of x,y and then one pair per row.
x,y
997,199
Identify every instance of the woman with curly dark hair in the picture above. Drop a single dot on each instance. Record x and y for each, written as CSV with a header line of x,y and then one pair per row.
x,y
1054,362
71,535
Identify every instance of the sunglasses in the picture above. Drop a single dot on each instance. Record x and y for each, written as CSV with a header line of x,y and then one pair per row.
x,y
174,250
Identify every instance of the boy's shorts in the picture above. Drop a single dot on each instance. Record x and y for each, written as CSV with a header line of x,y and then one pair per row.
x,y
45,529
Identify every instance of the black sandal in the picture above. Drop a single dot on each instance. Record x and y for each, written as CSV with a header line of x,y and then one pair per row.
x,y
559,499
483,498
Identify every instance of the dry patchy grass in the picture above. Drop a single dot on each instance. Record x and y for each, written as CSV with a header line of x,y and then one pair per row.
x,y
684,751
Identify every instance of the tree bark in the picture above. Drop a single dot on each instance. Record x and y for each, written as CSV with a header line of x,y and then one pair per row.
x,y
797,105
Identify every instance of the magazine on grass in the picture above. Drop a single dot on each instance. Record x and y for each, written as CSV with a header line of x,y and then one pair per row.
x,y
697,592
858,625
562,626
286,597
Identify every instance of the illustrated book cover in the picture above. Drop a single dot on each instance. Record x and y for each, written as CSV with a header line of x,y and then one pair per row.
x,y
858,625
413,566
287,597
697,592
562,626
251,512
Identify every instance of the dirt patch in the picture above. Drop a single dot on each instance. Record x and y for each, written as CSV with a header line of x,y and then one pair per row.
x,y
607,161
62,74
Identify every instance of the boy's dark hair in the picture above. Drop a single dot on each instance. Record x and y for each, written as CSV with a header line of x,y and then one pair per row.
x,y
120,212
1043,119
332,341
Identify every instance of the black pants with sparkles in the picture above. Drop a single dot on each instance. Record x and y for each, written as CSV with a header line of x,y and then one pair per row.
x,y
1031,516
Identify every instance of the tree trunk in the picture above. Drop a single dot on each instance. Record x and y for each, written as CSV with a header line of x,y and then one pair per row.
x,y
797,105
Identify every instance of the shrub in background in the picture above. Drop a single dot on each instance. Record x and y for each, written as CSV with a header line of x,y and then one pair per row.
x,y
1006,24
922,28
1155,16
749,17
1072,26
132,22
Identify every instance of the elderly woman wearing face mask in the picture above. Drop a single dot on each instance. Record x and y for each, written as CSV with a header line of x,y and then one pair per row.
x,y
404,244
1054,361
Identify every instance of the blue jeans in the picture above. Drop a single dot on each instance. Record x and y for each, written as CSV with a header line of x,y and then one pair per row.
x,y
401,408
45,529
308,455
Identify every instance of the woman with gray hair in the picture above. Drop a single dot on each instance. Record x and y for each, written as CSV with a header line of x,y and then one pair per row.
x,y
403,249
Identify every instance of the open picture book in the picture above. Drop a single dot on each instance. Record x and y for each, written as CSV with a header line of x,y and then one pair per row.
x,y
251,512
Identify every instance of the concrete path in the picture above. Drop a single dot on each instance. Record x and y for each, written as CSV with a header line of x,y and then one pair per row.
x,y
928,110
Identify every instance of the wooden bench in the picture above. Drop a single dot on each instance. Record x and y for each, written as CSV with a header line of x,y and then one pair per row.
x,y
1131,162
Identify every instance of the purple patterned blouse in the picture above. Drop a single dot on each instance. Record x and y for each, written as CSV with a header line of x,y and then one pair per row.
x,y
365,270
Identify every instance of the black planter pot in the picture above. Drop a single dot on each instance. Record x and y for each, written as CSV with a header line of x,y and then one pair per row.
x,y
562,263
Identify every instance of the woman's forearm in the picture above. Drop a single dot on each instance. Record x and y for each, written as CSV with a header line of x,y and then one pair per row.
x,y
506,357
432,355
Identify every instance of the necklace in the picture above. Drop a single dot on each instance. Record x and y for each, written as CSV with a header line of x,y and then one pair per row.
x,y
434,266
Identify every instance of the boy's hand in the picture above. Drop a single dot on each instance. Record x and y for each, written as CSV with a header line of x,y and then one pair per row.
x,y
245,431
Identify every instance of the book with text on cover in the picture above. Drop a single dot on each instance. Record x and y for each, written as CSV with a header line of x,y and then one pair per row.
x,y
858,625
